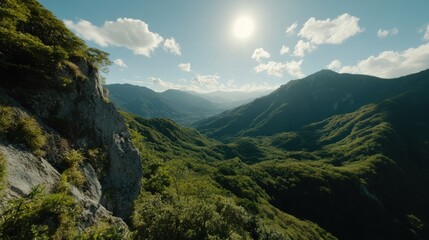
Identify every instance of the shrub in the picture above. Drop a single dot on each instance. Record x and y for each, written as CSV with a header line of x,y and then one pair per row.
x,y
166,217
104,231
30,133
73,174
23,129
39,216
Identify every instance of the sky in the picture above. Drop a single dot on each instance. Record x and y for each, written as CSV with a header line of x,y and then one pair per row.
x,y
249,45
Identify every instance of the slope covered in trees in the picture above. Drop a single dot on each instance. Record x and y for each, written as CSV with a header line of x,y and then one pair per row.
x,y
358,175
304,101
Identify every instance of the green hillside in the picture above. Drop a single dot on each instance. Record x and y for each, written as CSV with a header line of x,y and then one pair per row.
x,y
358,175
188,176
304,101
35,46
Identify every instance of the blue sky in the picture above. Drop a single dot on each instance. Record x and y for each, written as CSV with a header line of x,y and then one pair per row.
x,y
198,44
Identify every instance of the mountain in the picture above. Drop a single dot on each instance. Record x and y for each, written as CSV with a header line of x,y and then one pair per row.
x,y
180,106
231,99
304,101
348,152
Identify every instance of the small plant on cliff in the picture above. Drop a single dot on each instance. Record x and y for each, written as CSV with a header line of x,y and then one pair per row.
x,y
21,128
99,159
73,174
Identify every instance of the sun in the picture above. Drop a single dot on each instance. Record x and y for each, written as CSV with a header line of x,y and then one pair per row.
x,y
243,27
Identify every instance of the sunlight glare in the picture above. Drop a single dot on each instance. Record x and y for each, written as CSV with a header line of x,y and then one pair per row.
x,y
243,27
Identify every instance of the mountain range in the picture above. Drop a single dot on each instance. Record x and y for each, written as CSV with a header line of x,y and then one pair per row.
x,y
300,102
232,99
182,107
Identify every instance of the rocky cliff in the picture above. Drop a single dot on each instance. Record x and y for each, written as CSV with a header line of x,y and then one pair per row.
x,y
82,115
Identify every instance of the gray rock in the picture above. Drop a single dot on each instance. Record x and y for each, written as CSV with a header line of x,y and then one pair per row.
x,y
93,190
83,115
24,171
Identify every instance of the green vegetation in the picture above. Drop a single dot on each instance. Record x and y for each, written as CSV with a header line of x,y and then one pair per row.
x,y
356,175
190,192
39,216
73,174
35,46
51,216
105,231
18,127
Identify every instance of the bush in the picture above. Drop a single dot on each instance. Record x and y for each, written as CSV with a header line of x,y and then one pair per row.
x,y
39,216
99,159
104,231
166,217
31,134
23,129
73,174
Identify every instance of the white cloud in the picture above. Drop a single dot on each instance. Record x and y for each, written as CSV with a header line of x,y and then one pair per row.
x,y
329,31
284,50
130,33
393,64
277,68
382,33
335,65
120,63
260,53
426,36
170,45
291,30
186,67
302,47
206,80
159,82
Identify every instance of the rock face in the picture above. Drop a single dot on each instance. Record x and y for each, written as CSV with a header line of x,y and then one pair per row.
x,y
83,115
26,171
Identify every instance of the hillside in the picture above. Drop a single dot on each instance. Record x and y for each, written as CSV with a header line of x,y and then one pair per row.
x,y
357,175
204,179
304,101
179,106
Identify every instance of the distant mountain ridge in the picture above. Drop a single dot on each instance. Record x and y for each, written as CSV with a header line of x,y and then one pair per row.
x,y
300,102
182,107
231,99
